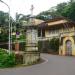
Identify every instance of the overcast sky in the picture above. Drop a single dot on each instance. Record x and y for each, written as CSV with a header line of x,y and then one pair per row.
x,y
23,6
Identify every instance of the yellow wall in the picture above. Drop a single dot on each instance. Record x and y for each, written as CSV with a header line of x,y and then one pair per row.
x,y
67,33
48,34
63,47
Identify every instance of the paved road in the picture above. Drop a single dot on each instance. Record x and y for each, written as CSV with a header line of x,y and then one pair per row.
x,y
56,65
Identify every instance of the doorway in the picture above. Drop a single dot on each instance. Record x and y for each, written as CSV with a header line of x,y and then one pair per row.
x,y
68,47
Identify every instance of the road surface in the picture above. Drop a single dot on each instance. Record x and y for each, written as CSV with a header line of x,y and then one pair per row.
x,y
53,65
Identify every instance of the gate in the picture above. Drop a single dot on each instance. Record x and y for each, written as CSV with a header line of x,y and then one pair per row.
x,y
68,47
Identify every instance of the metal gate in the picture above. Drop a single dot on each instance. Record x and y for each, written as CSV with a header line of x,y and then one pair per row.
x,y
68,47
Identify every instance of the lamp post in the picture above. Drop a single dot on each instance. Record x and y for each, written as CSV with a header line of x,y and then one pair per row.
x,y
9,26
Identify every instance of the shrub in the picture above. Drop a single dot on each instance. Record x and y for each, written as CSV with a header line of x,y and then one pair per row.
x,y
21,37
13,38
6,60
54,44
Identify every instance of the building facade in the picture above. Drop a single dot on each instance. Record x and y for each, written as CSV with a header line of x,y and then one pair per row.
x,y
60,28
63,29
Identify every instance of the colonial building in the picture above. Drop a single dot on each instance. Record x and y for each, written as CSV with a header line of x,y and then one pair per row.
x,y
39,30
61,28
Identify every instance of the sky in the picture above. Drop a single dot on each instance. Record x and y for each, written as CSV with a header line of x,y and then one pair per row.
x,y
23,6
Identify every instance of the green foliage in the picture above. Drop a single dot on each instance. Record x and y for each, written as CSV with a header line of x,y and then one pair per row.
x,y
3,37
69,11
22,37
46,15
60,7
54,44
13,38
49,46
61,10
3,18
6,60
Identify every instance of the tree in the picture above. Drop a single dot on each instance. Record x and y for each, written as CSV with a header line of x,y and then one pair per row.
x,y
45,15
60,7
18,22
61,10
4,24
72,1
3,18
53,12
69,11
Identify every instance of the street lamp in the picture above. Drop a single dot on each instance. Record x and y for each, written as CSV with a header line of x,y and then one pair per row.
x,y
9,26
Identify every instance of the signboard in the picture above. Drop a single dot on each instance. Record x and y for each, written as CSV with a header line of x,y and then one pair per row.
x,y
17,34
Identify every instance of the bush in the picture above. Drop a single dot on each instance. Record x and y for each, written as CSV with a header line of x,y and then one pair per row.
x,y
54,44
13,38
6,60
21,38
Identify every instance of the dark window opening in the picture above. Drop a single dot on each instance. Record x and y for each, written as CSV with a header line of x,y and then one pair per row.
x,y
41,33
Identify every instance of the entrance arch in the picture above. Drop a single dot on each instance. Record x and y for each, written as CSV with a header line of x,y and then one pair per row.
x,y
68,45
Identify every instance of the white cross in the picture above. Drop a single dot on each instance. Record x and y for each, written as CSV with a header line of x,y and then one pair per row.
x,y
32,8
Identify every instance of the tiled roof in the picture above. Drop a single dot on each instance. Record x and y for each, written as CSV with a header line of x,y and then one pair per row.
x,y
56,22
